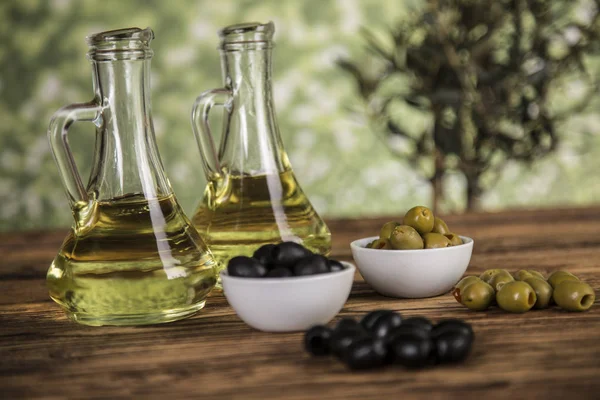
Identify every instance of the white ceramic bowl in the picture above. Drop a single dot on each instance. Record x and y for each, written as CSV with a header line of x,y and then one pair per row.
x,y
288,304
412,273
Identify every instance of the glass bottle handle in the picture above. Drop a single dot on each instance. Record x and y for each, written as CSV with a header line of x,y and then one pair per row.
x,y
57,134
202,131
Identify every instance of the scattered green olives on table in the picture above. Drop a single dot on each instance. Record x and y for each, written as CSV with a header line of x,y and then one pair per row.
x,y
477,296
486,276
543,292
419,229
536,274
574,295
464,282
421,218
405,237
516,297
439,226
529,290
522,275
558,276
500,278
435,241
526,274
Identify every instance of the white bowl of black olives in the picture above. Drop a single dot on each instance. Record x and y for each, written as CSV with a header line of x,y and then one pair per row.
x,y
286,288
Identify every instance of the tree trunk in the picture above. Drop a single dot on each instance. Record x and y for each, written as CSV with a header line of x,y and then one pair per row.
x,y
436,181
474,192
439,167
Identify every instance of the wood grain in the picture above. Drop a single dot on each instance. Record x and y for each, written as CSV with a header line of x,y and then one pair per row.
x,y
541,354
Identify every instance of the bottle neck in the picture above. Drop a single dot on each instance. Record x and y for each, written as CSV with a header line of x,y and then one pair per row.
x,y
127,160
252,142
123,87
248,75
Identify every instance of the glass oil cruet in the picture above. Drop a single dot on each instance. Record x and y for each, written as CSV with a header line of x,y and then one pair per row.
x,y
132,256
252,196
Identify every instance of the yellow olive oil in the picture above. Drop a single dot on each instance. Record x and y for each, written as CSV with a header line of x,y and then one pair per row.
x,y
131,261
240,213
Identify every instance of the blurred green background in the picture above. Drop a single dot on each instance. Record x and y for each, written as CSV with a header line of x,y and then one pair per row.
x,y
342,164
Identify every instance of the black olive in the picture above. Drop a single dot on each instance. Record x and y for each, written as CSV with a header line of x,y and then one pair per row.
x,y
348,323
386,324
279,272
421,322
407,330
370,318
452,325
335,265
316,340
364,353
452,347
341,339
311,265
264,255
287,254
411,350
246,267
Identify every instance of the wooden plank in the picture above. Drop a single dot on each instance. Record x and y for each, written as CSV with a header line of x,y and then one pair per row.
x,y
548,353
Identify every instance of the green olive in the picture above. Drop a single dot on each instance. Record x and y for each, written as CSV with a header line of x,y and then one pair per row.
x,y
454,239
536,274
421,218
487,274
439,226
370,244
526,274
405,237
522,275
381,244
436,241
387,229
500,278
574,295
477,296
467,280
558,276
543,292
516,297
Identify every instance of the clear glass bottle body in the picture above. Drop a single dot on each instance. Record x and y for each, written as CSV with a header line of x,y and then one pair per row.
x,y
252,197
132,256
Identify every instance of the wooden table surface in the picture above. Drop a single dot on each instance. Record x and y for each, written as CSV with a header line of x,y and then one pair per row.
x,y
540,354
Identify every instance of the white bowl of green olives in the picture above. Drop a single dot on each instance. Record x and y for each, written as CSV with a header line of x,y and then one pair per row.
x,y
286,288
417,257
412,273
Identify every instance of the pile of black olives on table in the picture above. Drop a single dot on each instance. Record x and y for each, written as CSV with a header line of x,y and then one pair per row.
x,y
419,229
282,260
383,337
525,290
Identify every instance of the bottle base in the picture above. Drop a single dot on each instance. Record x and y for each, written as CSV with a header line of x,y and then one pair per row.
x,y
135,319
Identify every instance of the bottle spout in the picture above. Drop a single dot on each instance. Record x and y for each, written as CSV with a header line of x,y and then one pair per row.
x,y
144,35
121,44
248,33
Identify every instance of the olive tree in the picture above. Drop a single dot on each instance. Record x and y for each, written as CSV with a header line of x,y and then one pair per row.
x,y
488,75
